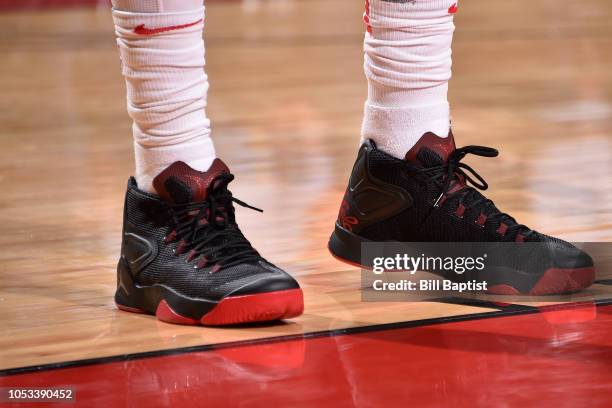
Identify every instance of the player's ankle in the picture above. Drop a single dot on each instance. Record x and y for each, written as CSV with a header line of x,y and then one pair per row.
x,y
150,161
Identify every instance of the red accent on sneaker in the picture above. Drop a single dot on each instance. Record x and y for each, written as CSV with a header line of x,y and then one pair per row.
x,y
482,218
195,182
502,229
460,211
453,9
202,262
130,309
165,313
443,146
142,30
346,220
180,247
260,307
520,238
170,237
556,280
457,185
503,289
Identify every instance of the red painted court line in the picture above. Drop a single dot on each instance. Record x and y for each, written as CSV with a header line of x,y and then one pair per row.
x,y
554,358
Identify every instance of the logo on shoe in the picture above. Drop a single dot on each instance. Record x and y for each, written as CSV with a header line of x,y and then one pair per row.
x,y
347,221
139,251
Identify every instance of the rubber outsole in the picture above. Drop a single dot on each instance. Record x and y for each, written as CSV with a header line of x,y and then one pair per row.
x,y
260,307
172,307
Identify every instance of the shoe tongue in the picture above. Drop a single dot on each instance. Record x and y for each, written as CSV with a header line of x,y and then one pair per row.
x,y
431,150
180,184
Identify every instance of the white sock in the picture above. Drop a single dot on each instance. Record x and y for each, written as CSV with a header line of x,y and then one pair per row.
x,y
408,64
162,55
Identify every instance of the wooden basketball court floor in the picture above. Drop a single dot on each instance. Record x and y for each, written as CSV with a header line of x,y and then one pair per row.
x,y
532,79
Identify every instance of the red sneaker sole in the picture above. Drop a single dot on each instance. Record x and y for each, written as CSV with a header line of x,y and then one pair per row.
x,y
260,307
554,281
557,280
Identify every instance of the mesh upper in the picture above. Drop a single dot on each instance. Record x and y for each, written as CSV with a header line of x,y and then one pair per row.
x,y
148,214
423,222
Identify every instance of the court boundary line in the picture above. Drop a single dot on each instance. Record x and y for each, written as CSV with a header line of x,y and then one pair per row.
x,y
511,310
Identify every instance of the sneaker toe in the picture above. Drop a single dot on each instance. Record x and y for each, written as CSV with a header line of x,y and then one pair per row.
x,y
270,283
570,257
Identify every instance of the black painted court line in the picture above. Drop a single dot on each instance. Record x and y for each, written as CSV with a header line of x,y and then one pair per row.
x,y
489,304
503,312
604,282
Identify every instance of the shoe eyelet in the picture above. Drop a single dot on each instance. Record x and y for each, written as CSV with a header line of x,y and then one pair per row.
x,y
481,221
170,237
502,229
460,211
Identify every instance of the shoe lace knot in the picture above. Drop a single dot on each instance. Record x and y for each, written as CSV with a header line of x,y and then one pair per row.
x,y
454,169
207,229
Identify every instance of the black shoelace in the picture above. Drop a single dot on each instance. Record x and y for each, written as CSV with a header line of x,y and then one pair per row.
x,y
208,231
469,197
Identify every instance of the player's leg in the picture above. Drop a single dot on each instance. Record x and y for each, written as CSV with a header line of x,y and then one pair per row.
x,y
162,58
407,183
407,62
183,256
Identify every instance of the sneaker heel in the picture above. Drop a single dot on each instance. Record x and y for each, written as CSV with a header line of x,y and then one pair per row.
x,y
125,287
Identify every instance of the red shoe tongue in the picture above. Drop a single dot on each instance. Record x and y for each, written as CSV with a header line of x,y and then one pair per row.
x,y
181,184
431,150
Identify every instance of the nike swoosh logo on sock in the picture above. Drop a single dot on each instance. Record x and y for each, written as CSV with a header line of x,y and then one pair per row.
x,y
142,30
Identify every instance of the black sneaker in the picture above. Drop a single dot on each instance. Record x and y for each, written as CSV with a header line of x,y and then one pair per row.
x,y
426,198
184,259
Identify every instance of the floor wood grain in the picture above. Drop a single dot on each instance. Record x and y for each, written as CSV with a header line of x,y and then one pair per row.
x,y
287,90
